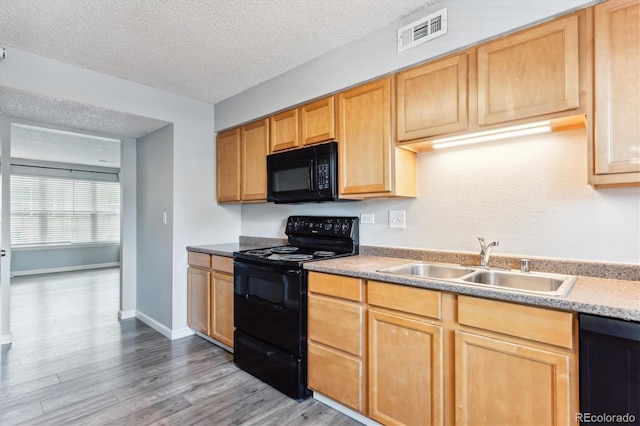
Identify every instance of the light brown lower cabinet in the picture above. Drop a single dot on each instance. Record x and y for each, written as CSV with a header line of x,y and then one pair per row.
x,y
515,364
336,331
221,318
210,296
405,370
501,382
198,288
428,357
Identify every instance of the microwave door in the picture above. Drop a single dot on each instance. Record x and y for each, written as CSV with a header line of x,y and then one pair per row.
x,y
291,181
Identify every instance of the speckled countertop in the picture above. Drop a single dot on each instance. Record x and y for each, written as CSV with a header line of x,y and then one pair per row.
x,y
606,289
246,243
599,296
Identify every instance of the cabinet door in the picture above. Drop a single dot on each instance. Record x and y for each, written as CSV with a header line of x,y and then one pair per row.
x,y
228,157
221,322
405,370
365,138
284,130
617,87
499,383
337,375
530,73
255,147
198,287
318,121
432,99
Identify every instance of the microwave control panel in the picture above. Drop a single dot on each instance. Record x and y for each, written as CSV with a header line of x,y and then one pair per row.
x,y
323,174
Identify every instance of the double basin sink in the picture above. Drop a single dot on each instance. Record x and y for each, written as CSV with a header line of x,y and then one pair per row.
x,y
514,281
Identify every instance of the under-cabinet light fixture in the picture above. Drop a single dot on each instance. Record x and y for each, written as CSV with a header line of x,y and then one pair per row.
x,y
494,135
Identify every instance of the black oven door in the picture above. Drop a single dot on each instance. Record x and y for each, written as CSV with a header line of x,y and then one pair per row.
x,y
270,305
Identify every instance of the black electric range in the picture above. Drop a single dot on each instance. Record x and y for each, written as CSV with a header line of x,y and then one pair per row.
x,y
270,299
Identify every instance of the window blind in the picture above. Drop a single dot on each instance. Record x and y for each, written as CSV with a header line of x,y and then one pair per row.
x,y
46,210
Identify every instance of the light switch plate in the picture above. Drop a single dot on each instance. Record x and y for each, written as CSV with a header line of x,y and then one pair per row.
x,y
397,219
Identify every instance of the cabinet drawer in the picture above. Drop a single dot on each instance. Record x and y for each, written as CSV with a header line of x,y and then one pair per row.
x,y
337,323
412,300
337,376
527,322
336,285
200,259
222,264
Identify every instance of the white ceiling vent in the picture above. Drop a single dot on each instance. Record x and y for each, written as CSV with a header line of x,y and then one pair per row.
x,y
422,30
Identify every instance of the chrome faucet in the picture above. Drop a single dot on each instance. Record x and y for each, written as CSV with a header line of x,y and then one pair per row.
x,y
485,251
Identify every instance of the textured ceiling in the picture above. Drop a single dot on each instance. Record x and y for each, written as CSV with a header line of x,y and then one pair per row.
x,y
204,49
74,115
34,143
45,145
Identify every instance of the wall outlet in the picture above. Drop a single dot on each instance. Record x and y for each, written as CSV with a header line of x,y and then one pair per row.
x,y
397,219
164,218
367,218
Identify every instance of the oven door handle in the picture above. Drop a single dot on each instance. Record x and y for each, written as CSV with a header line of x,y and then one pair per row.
x,y
259,301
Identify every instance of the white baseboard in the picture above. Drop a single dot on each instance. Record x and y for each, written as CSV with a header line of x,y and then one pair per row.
x,y
123,315
345,410
160,328
64,269
163,329
5,339
179,334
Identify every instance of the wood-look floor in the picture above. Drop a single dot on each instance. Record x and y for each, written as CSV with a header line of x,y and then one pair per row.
x,y
73,362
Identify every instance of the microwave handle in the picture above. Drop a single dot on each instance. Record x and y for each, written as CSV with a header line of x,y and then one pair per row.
x,y
312,174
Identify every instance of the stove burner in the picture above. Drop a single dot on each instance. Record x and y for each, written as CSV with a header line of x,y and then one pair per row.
x,y
323,253
296,257
259,253
284,249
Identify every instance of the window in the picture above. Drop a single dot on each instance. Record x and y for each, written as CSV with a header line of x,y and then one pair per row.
x,y
47,210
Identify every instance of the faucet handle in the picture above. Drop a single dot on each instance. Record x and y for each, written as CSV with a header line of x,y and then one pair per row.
x,y
482,243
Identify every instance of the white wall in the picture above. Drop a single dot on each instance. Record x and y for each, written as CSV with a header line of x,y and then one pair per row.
x,y
197,219
155,238
58,259
470,21
128,231
530,194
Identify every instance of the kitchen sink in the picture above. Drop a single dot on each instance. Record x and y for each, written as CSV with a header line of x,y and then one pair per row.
x,y
550,284
429,270
509,280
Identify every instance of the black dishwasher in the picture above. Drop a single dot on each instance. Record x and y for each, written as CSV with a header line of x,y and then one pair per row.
x,y
609,371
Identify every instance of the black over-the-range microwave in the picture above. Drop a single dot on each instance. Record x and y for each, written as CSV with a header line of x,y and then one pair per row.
x,y
303,175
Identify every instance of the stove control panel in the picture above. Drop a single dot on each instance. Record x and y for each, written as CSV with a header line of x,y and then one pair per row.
x,y
322,225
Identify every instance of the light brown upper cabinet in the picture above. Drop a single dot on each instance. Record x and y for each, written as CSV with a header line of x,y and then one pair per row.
x,y
432,98
284,130
311,123
255,148
370,163
318,121
614,155
241,163
228,166
530,73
